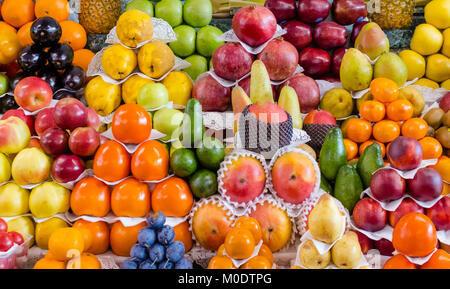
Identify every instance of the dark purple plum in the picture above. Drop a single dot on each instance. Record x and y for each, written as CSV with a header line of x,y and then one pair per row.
x,y
52,77
60,56
73,78
45,31
32,58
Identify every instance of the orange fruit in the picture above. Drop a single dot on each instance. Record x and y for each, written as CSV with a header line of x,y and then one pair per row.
x,y
130,198
17,12
123,238
372,110
443,167
47,263
415,127
439,260
90,196
257,262
384,90
221,262
111,162
358,130
150,162
82,58
183,234
99,235
386,131
64,243
399,110
6,26
57,9
267,253
250,224
131,124
87,236
172,197
221,251
351,148
414,235
399,262
431,147
73,34
24,34
85,261
239,243
363,146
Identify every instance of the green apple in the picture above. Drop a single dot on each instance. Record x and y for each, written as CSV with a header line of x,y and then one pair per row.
x,y
4,84
197,13
142,5
152,95
171,11
207,40
168,121
5,169
22,225
13,200
199,65
185,44
30,166
49,199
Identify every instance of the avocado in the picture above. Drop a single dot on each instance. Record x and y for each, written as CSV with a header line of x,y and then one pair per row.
x,y
370,161
332,154
348,186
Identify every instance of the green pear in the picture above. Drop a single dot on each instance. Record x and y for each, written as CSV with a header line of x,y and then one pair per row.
x,y
391,66
289,102
346,253
310,257
372,41
325,222
338,102
260,86
356,71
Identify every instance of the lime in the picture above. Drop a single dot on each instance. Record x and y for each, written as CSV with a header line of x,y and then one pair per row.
x,y
183,162
203,183
211,153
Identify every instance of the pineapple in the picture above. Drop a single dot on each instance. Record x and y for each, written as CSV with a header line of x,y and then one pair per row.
x,y
394,14
99,16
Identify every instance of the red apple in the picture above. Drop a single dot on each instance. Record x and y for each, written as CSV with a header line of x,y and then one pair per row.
x,y
211,94
280,58
336,60
385,247
329,34
315,61
444,104
93,119
364,242
33,93
319,117
245,84
356,29
14,135
70,113
84,141
387,185
54,141
347,12
406,206
405,153
440,214
313,11
34,143
231,61
307,90
28,119
426,185
298,33
282,9
67,168
254,25
369,215
44,120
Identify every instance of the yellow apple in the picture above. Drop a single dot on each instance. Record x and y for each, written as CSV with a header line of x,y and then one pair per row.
x,y
49,199
22,225
13,200
30,166
5,169
45,229
14,135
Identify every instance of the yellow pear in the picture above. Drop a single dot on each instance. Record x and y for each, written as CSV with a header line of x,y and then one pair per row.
x,y
437,13
179,85
102,96
260,86
426,39
134,27
239,101
415,97
427,83
289,102
118,61
414,62
346,253
130,88
310,257
155,59
438,67
325,222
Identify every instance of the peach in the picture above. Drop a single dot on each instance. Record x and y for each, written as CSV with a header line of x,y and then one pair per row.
x,y
406,206
369,215
319,117
440,214
405,153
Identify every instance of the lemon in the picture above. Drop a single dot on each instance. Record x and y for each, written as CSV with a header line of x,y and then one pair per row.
x,y
437,13
427,83
130,88
438,67
414,62
179,86
446,84
446,45
426,39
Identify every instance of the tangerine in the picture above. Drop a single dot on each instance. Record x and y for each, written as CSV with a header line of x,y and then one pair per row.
x,y
64,243
82,58
172,197
24,35
267,253
384,89
250,224
239,243
431,147
221,262
443,168
57,9
400,110
47,263
364,145
372,110
358,130
6,26
386,131
183,234
415,127
257,262
73,34
439,260
17,12
351,148
85,261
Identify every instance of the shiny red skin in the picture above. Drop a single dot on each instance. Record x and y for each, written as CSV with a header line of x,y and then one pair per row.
x,y
254,25
315,61
307,90
84,141
347,12
28,119
329,34
298,33
406,206
440,214
54,141
336,60
369,215
67,168
280,58
387,185
313,11
44,120
405,153
426,185
70,113
211,94
385,247
231,61
282,9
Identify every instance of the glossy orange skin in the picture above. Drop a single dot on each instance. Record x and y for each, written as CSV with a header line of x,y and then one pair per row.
x,y
384,90
439,260
221,262
358,130
250,224
86,261
111,162
414,235
150,162
257,262
239,243
172,197
399,262
364,145
399,110
73,34
47,263
386,131
130,198
18,12
351,148
64,242
267,253
24,34
90,196
131,124
6,26
183,234
82,58
415,127
431,147
372,110
57,9
123,238
99,233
